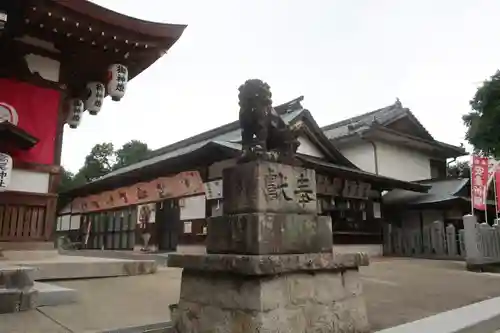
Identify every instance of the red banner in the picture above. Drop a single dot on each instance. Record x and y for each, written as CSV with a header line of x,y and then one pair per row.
x,y
479,175
35,110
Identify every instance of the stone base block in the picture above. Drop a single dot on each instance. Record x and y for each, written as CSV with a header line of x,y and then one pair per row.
x,y
311,302
269,233
268,264
261,186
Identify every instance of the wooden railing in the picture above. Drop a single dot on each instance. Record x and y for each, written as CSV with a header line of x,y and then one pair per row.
x,y
26,216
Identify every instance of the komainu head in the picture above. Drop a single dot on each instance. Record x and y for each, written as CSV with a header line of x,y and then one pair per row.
x,y
254,93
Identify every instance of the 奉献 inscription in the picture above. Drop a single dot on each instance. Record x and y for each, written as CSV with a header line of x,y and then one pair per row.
x,y
276,186
304,191
269,187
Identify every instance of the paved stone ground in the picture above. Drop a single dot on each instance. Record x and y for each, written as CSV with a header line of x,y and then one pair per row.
x,y
396,291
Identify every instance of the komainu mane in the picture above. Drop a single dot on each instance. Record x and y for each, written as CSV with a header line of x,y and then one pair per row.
x,y
264,133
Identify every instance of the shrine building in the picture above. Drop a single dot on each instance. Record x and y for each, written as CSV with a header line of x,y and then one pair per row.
x,y
180,185
59,59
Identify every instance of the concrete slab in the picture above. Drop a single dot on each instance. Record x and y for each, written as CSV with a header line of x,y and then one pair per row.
x,y
399,291
480,317
51,294
29,322
123,302
72,267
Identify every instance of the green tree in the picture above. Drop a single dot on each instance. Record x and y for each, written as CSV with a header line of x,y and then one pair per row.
x,y
98,163
103,159
483,122
458,169
66,180
131,152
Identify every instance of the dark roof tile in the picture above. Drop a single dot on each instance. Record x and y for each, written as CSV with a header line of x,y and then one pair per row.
x,y
363,122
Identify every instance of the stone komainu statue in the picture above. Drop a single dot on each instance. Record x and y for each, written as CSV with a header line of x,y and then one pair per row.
x,y
264,133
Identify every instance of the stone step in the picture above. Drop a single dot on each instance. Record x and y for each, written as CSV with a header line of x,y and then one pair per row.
x,y
16,277
86,267
160,258
15,300
51,295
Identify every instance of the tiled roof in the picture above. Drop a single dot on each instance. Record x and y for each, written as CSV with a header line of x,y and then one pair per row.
x,y
383,117
440,191
363,122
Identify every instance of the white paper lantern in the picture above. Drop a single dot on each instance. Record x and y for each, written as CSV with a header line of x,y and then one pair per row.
x,y
75,112
95,97
5,171
117,81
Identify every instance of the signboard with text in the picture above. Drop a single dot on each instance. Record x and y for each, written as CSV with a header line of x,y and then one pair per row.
x,y
338,187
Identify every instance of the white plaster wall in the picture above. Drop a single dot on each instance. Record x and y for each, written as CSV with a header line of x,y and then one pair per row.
x,y
29,181
308,148
192,207
402,163
393,161
361,155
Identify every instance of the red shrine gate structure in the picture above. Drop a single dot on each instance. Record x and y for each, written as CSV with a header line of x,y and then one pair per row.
x,y
58,59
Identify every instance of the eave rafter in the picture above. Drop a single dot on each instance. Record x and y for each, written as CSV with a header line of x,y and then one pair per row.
x,y
87,47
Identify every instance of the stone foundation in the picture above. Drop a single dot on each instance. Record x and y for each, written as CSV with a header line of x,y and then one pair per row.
x,y
316,292
319,302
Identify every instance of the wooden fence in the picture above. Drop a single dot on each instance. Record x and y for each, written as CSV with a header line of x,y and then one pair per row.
x,y
432,241
26,217
112,230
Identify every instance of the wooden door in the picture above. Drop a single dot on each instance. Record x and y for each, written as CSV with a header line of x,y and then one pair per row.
x,y
167,224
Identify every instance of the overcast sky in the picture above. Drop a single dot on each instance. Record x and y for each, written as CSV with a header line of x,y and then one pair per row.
x,y
345,57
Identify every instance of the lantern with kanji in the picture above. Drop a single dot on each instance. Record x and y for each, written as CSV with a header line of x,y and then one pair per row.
x,y
95,97
117,81
5,171
75,112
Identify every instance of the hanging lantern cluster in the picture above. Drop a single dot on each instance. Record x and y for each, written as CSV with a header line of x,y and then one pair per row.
x,y
75,112
117,79
5,171
95,97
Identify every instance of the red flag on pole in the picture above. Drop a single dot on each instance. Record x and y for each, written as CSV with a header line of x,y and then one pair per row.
x,y
479,178
497,187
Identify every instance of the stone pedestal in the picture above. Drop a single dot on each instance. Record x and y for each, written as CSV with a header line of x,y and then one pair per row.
x,y
16,289
270,265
